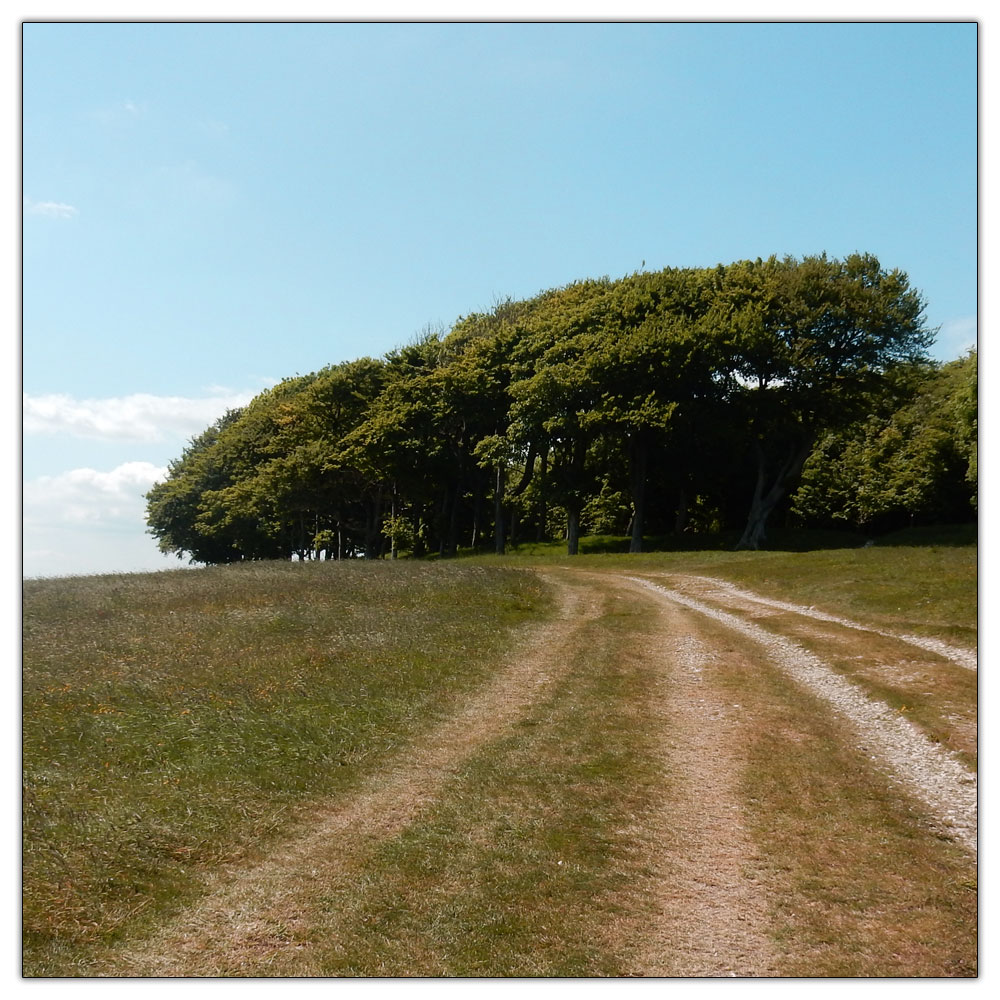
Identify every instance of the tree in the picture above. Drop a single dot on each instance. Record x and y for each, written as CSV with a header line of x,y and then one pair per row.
x,y
654,371
678,390
806,340
910,459
303,486
555,397
173,506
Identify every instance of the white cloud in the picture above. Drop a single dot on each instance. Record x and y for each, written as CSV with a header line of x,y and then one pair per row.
x,y
50,209
90,497
88,521
141,417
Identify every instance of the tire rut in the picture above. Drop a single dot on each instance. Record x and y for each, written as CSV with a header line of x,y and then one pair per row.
x,y
254,921
913,668
737,596
944,787
710,907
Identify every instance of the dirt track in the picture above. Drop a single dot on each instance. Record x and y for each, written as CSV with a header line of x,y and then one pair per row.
x,y
708,892
946,788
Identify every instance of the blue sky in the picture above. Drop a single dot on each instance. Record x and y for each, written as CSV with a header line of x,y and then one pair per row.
x,y
208,208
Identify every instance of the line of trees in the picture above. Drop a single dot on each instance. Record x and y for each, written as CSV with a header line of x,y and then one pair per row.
x,y
686,399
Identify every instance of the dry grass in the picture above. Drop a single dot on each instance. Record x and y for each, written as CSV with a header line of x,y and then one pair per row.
x,y
268,917
935,694
516,869
938,697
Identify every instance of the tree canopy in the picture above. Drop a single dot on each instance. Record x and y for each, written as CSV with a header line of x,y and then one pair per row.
x,y
679,400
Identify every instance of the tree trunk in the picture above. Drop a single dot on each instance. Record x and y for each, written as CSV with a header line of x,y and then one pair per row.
x,y
395,555
479,516
501,542
373,526
453,524
572,532
573,507
442,523
766,497
681,513
638,476
419,548
543,505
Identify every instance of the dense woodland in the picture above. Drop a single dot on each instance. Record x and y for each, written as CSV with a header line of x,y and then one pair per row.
x,y
692,400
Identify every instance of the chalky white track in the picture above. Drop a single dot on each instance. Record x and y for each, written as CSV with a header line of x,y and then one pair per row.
x,y
934,776
963,657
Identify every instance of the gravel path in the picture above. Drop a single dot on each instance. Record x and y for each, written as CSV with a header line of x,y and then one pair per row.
x,y
947,789
967,658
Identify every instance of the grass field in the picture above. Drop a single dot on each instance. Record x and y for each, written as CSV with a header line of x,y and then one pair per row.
x,y
178,722
173,721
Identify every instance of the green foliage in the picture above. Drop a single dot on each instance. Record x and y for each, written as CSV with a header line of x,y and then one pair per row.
x,y
399,530
607,513
174,506
679,399
912,460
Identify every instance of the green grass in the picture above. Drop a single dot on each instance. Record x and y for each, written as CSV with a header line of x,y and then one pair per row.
x,y
174,721
177,721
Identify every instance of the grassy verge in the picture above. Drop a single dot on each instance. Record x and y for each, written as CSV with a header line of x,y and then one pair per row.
x,y
174,721
924,590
